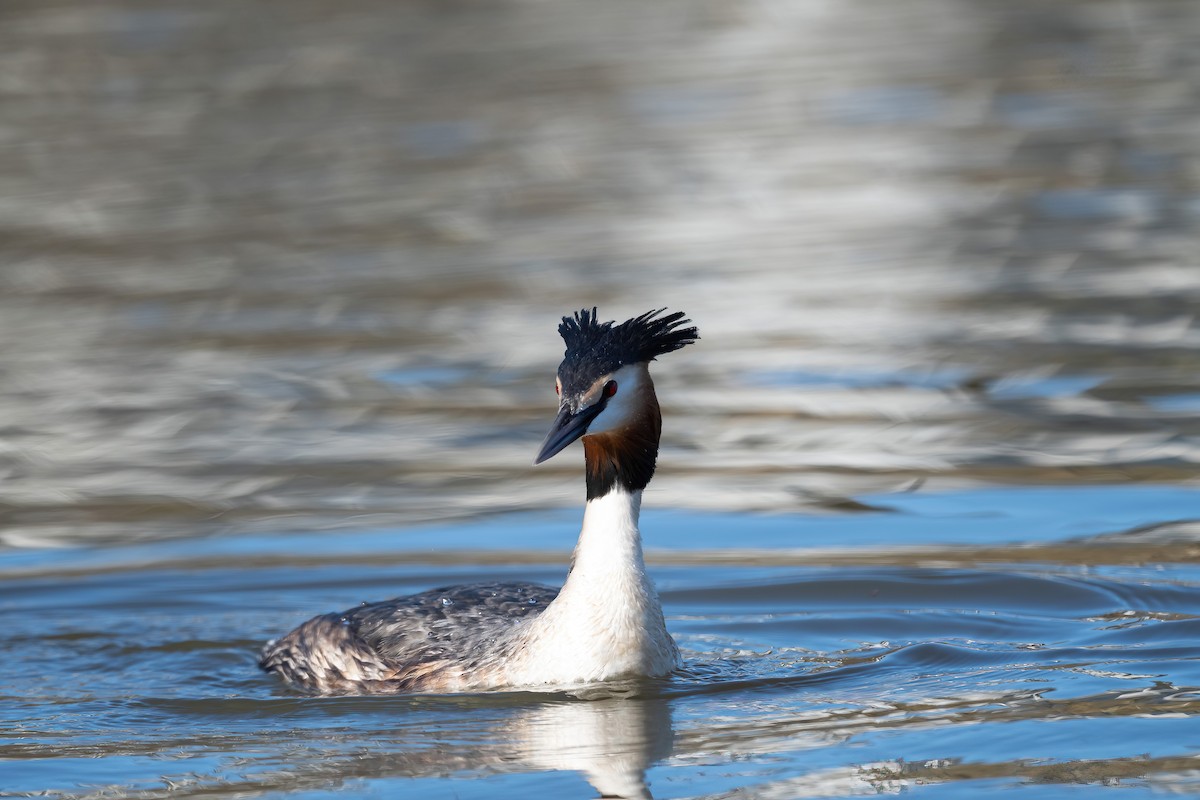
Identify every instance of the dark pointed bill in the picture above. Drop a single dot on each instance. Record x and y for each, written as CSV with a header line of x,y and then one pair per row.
x,y
566,428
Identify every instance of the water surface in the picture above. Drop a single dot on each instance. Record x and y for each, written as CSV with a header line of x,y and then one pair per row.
x,y
278,290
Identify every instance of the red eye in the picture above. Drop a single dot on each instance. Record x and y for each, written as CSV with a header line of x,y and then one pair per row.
x,y
557,388
610,388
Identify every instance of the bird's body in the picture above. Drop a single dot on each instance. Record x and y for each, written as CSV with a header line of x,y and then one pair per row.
x,y
605,623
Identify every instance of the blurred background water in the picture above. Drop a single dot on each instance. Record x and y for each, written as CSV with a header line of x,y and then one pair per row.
x,y
278,290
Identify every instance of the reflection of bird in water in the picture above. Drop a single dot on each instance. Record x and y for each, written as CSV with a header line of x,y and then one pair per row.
x,y
605,623
612,742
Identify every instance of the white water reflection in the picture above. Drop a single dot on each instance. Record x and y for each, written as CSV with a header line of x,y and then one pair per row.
x,y
612,742
270,269
307,283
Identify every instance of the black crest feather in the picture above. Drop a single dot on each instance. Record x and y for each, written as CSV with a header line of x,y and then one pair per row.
x,y
605,346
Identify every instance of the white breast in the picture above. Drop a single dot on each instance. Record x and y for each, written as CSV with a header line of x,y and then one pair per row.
x,y
607,622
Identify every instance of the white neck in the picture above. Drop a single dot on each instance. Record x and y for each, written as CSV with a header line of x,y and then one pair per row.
x,y
607,621
610,544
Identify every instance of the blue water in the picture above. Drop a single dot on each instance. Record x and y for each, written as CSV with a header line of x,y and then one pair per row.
x,y
279,285
133,667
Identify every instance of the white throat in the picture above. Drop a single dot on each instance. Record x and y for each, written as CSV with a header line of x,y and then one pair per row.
x,y
610,543
607,621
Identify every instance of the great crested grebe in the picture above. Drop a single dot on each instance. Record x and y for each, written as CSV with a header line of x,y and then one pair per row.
x,y
606,622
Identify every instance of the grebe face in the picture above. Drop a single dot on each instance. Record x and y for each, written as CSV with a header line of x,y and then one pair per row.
x,y
605,403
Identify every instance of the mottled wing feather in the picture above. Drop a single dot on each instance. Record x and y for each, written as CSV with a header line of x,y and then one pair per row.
x,y
444,622
402,645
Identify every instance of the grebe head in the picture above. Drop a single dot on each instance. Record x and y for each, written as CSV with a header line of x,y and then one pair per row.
x,y
603,382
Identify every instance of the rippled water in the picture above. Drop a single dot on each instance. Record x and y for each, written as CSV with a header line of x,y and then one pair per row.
x,y
278,289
